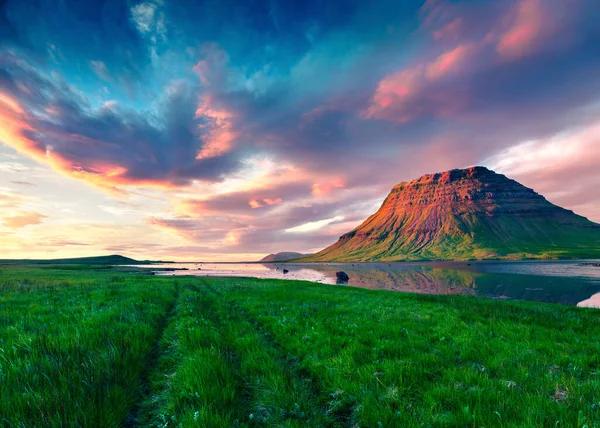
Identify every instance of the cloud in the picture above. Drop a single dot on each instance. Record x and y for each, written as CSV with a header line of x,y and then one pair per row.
x,y
23,219
251,123
100,69
313,225
531,22
259,203
149,20
108,146
564,167
64,243
447,84
244,202
450,31
22,183
212,232
325,188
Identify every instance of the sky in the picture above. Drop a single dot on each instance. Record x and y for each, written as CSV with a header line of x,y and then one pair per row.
x,y
224,130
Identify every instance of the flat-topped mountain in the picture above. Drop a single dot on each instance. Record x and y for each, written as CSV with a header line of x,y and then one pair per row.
x,y
471,213
282,256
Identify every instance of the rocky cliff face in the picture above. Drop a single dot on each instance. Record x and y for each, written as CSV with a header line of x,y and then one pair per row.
x,y
471,213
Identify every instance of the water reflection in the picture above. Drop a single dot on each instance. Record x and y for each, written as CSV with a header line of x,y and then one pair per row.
x,y
592,302
569,282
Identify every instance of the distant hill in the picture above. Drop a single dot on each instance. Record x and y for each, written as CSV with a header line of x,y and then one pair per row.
x,y
114,259
471,213
283,256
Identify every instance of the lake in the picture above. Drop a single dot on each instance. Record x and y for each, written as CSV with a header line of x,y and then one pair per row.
x,y
567,282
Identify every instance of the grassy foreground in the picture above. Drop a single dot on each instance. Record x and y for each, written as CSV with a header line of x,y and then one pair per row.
x,y
99,348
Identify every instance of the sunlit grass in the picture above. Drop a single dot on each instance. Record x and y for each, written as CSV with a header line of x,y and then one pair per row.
x,y
72,348
102,348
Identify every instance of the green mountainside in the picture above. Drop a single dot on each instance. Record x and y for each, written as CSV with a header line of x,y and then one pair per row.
x,y
471,213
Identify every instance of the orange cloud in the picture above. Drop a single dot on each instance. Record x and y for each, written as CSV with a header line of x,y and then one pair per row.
x,y
254,203
24,218
11,103
14,125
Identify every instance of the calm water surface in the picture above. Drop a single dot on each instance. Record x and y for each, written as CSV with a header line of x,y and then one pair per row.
x,y
567,282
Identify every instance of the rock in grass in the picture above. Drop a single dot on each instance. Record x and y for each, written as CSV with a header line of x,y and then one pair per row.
x,y
342,276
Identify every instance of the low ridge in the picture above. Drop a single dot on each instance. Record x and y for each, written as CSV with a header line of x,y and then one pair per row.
x,y
114,259
471,213
283,256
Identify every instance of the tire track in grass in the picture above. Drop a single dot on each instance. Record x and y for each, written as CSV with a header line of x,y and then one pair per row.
x,y
298,380
195,381
144,389
273,397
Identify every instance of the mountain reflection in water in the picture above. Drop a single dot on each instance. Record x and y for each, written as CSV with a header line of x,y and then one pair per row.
x,y
566,282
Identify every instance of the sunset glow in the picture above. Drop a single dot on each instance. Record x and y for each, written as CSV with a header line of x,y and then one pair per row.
x,y
166,130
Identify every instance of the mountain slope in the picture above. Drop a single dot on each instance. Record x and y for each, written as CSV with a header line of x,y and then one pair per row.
x,y
283,256
472,213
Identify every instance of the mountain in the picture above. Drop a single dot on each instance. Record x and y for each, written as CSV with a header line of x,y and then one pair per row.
x,y
114,259
462,214
283,256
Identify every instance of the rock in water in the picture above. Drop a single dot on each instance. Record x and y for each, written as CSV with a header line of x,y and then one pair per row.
x,y
342,277
465,214
285,271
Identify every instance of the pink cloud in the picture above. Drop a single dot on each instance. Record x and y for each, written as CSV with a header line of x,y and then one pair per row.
x,y
275,201
259,203
450,61
325,188
532,26
411,92
220,133
564,168
450,31
527,27
202,70
211,70
418,89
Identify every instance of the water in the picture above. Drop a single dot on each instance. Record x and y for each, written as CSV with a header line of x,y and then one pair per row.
x,y
567,282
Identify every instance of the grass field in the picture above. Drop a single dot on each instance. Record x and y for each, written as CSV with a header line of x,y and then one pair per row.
x,y
93,347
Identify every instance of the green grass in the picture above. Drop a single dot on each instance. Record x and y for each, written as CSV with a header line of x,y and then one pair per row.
x,y
104,349
73,345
